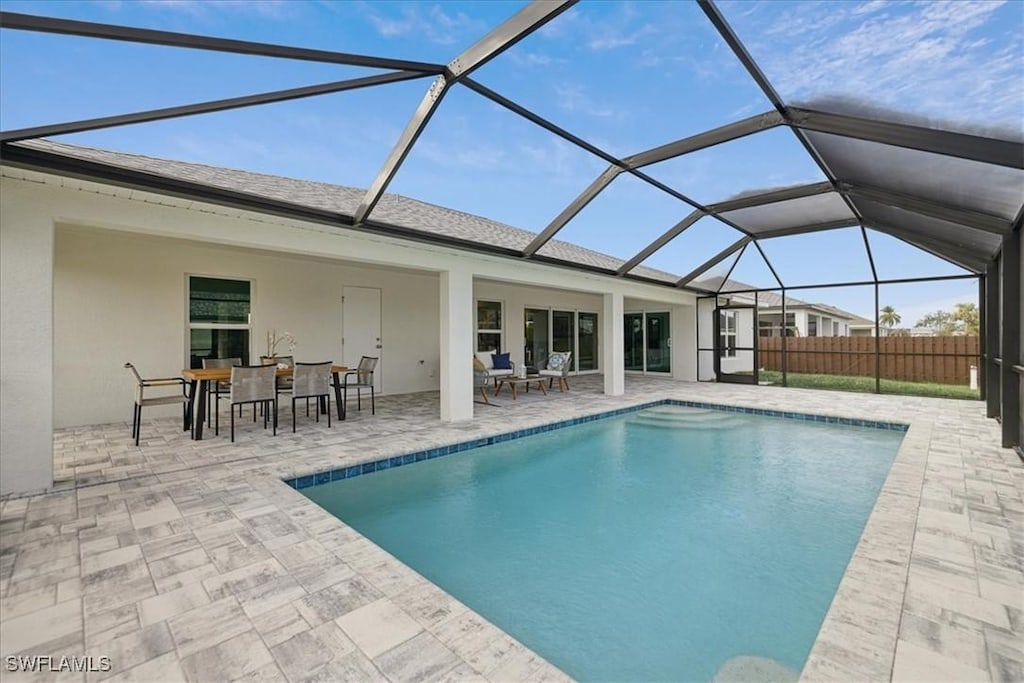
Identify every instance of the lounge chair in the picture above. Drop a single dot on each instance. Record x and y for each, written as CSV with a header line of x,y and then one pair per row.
x,y
485,363
558,366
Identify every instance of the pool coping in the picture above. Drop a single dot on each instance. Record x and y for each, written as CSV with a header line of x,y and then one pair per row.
x,y
858,635
321,477
857,639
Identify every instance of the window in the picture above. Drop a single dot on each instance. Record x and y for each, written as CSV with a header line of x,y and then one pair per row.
x,y
218,318
727,338
835,329
812,325
489,326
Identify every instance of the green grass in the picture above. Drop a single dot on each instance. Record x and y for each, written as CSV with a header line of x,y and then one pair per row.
x,y
867,384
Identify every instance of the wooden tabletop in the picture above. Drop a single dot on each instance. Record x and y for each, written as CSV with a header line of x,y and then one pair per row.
x,y
217,374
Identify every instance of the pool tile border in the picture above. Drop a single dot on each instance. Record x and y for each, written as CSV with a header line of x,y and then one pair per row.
x,y
325,477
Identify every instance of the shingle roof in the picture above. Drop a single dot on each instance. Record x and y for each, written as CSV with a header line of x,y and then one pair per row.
x,y
769,299
392,208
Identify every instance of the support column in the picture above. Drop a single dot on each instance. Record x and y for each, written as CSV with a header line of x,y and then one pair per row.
x,y
456,346
991,370
613,360
1011,329
26,343
982,341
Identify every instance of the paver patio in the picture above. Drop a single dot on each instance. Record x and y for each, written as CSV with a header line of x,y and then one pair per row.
x,y
192,560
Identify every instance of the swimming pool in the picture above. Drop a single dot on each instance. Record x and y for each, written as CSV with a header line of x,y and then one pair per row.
x,y
663,544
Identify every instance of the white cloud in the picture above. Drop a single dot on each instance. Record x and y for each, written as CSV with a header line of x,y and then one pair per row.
x,y
949,60
611,37
599,32
434,24
558,160
575,98
529,59
272,9
474,155
872,6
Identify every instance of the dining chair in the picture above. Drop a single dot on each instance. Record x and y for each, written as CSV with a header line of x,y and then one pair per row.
x,y
218,387
359,379
312,380
142,400
254,384
284,384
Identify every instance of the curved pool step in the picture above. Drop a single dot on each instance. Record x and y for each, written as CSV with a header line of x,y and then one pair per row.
x,y
712,420
755,669
702,416
679,410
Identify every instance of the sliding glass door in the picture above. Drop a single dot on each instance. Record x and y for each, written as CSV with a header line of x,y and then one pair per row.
x,y
648,342
587,342
633,328
547,331
659,351
563,332
537,333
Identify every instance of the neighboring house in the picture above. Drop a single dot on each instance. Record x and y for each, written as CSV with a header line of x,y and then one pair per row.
x,y
735,326
803,319
862,327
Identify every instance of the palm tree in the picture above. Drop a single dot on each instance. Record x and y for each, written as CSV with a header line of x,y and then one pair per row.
x,y
967,316
889,317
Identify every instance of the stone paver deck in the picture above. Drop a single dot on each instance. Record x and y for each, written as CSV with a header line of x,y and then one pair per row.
x,y
184,560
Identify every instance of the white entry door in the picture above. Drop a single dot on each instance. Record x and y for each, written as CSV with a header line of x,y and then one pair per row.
x,y
360,328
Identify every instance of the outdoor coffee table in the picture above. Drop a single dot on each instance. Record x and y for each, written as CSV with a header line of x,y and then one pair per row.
x,y
512,382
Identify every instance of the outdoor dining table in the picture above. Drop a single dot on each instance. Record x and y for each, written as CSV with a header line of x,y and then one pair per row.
x,y
199,387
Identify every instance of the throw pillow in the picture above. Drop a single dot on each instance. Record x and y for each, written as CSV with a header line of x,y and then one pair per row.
x,y
556,361
501,361
478,365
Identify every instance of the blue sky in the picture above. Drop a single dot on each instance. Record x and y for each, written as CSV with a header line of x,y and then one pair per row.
x,y
625,76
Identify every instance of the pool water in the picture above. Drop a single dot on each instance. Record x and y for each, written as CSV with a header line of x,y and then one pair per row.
x,y
658,545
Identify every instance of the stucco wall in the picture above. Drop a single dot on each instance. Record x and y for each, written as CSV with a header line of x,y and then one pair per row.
x,y
120,297
26,348
683,335
743,361
117,291
517,298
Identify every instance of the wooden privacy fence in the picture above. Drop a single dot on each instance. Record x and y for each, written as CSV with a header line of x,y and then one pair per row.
x,y
939,360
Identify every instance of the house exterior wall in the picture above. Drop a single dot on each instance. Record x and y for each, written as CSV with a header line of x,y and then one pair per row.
x,y
121,297
800,320
706,340
683,321
684,343
743,361
106,298
516,298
